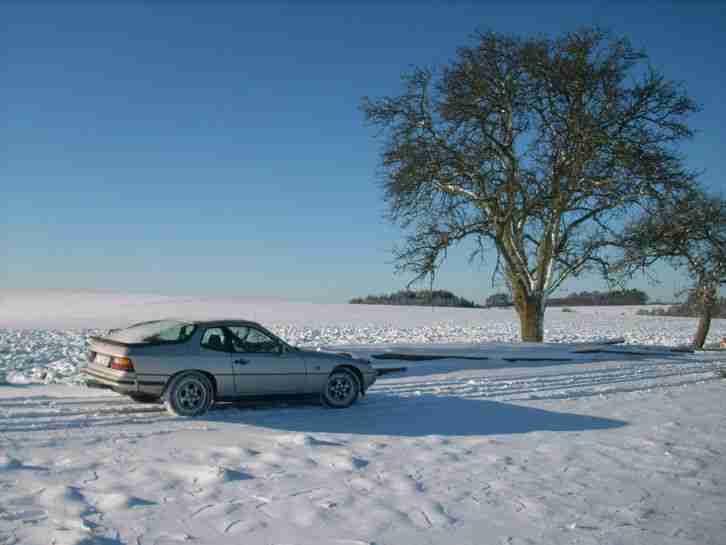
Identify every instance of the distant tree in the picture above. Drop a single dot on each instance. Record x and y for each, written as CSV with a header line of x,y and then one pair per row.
x,y
689,233
499,300
533,147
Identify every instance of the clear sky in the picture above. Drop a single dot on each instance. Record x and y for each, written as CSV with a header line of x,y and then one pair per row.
x,y
208,148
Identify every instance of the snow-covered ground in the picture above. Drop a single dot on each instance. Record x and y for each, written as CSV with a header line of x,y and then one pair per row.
x,y
602,448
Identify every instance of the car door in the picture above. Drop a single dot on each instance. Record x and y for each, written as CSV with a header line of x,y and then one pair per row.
x,y
263,365
215,356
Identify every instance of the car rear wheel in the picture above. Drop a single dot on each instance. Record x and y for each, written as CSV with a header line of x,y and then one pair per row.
x,y
341,389
189,394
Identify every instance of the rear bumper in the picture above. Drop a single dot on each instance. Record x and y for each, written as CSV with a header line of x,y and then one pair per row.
x,y
124,383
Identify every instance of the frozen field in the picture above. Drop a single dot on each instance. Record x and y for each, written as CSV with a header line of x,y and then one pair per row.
x,y
592,448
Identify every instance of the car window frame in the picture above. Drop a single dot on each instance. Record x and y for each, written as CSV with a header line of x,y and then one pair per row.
x,y
278,342
226,340
186,339
155,342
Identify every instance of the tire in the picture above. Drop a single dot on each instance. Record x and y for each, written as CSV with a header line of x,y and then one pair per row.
x,y
341,389
189,394
145,398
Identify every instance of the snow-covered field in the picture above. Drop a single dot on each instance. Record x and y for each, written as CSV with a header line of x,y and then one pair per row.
x,y
602,448
44,333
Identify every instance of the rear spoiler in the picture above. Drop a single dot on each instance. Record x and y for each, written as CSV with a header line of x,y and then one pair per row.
x,y
115,343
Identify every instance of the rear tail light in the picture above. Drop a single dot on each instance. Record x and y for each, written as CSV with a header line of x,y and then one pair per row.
x,y
121,364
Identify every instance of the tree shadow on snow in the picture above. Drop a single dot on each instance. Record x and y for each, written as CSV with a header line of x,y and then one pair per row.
x,y
418,416
452,364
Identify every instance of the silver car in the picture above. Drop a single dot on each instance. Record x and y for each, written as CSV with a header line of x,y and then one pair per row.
x,y
191,364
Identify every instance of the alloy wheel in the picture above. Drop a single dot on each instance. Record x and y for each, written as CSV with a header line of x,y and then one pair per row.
x,y
191,395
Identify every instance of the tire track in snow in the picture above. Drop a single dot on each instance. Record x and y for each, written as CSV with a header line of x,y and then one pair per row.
x,y
576,383
512,388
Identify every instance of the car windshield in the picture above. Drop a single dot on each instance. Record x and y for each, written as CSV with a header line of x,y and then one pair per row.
x,y
154,332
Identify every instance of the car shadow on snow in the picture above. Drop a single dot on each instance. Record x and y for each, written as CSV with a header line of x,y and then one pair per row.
x,y
415,416
377,414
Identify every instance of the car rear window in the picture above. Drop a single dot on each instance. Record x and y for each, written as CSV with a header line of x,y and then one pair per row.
x,y
160,331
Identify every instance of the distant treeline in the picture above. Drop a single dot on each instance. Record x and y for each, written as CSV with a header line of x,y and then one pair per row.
x,y
582,299
689,309
437,298
598,298
443,298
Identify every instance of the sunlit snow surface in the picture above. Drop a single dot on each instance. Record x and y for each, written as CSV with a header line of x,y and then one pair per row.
x,y
591,448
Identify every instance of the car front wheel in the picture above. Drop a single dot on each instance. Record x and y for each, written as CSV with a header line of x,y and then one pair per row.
x,y
341,389
189,394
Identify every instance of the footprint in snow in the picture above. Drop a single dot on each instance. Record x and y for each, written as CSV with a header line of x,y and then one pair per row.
x,y
511,540
344,462
309,441
6,462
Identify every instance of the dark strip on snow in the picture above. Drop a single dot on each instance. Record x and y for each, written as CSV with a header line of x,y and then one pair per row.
x,y
537,359
423,357
432,357
386,370
635,352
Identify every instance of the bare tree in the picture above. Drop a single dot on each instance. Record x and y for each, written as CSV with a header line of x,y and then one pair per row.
x,y
536,148
688,233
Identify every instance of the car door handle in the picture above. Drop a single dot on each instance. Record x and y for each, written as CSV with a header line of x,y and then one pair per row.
x,y
241,361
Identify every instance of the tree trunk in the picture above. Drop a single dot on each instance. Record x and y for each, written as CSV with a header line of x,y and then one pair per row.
x,y
531,316
708,301
704,324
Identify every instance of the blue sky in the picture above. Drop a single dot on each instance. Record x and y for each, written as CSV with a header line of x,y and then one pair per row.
x,y
207,148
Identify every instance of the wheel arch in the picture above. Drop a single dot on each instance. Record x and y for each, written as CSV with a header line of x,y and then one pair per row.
x,y
207,374
356,372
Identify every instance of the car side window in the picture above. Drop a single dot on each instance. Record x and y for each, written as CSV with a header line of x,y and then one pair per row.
x,y
177,333
214,339
251,340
